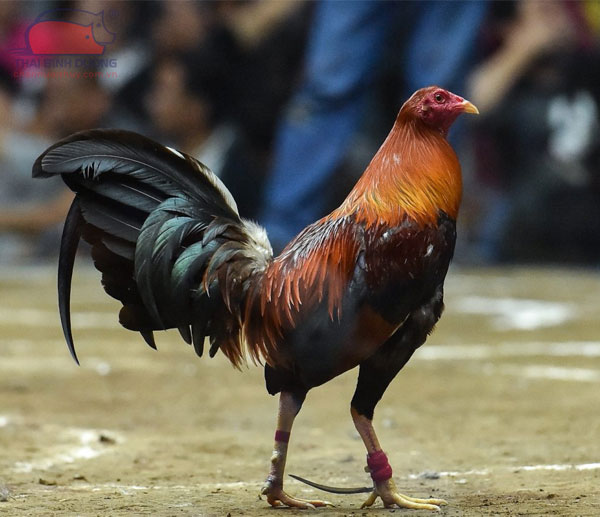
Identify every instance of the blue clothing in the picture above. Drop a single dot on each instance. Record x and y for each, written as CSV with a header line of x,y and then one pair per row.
x,y
345,49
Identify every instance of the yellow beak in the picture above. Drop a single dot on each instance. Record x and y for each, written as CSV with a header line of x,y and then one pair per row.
x,y
469,108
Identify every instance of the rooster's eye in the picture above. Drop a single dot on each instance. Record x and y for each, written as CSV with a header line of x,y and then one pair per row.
x,y
438,97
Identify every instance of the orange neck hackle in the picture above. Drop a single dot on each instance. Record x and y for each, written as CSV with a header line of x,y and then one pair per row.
x,y
414,174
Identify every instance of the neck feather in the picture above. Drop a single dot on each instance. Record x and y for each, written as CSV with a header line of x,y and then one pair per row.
x,y
415,174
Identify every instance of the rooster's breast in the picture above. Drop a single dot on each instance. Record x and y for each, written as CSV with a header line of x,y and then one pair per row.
x,y
395,272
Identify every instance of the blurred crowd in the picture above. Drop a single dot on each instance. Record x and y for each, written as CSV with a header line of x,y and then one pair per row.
x,y
287,101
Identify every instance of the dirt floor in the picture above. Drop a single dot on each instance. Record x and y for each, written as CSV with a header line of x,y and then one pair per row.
x,y
499,413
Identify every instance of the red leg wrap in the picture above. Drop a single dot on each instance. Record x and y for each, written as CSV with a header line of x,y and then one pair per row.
x,y
379,467
282,436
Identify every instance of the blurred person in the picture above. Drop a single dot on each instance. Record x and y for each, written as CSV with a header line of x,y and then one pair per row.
x,y
343,59
271,35
12,32
528,30
188,103
132,51
252,21
168,29
182,27
73,104
26,211
538,145
255,48
29,214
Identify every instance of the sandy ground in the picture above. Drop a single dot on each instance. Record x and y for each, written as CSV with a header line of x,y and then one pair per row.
x,y
499,413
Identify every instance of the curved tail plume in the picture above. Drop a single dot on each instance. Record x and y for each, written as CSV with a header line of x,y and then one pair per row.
x,y
165,234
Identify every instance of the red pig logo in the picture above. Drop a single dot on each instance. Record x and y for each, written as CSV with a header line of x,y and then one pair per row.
x,y
88,35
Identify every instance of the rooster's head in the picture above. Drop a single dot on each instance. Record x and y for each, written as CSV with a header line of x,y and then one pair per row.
x,y
437,107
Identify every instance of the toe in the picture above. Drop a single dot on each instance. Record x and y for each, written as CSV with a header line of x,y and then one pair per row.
x,y
320,504
275,503
437,502
278,498
404,502
296,503
370,500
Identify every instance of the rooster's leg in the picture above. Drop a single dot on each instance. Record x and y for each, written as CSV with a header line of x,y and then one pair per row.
x,y
374,376
289,406
381,472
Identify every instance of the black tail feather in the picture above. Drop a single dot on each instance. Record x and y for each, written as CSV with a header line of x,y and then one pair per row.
x,y
165,234
185,333
148,336
66,260
334,489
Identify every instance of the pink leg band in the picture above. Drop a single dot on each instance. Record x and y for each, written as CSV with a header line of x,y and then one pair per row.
x,y
282,436
379,467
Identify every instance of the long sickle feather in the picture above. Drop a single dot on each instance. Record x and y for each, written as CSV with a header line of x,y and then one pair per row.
x,y
68,249
333,489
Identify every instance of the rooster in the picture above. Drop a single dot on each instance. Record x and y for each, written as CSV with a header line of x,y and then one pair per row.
x,y
361,287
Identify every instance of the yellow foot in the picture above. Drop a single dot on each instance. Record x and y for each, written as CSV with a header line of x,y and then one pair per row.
x,y
277,497
390,497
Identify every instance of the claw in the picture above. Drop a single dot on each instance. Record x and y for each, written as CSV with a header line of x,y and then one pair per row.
x,y
391,498
276,497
